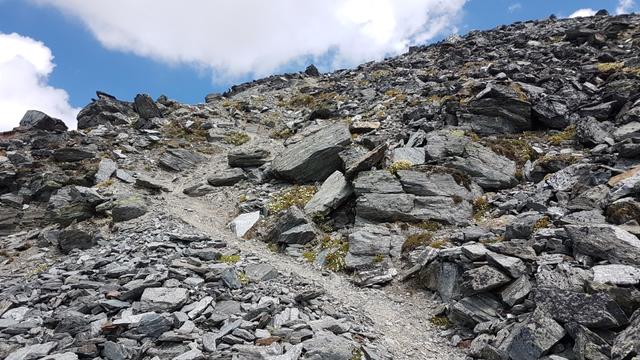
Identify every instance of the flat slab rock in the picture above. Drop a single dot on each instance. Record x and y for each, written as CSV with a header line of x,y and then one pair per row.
x,y
163,299
315,157
616,274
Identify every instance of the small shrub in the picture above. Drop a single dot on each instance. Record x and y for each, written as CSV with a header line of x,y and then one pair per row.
x,y
610,67
494,240
543,223
414,241
457,199
399,165
236,138
309,256
567,134
438,244
281,134
273,247
378,258
396,93
335,260
441,321
244,279
105,184
518,150
429,225
229,259
297,195
480,208
522,96
40,268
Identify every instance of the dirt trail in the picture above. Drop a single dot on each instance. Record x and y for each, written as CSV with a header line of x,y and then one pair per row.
x,y
400,313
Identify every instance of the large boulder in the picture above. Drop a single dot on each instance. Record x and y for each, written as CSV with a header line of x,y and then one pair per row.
x,y
438,181
34,119
603,241
128,208
498,109
144,105
407,207
376,181
179,159
597,310
315,157
627,343
368,243
532,338
106,110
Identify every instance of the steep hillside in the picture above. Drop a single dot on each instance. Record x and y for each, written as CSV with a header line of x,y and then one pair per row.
x,y
475,198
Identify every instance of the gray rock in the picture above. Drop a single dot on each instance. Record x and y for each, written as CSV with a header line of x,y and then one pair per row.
x,y
75,238
72,154
151,184
333,193
226,177
34,119
260,272
591,310
482,279
300,234
376,181
356,160
616,274
315,157
443,277
290,219
128,208
198,190
146,107
328,346
367,243
522,226
32,351
472,310
516,291
587,344
179,159
106,110
244,222
406,207
114,351
106,168
604,241
414,155
512,265
563,276
125,176
242,158
627,344
438,182
163,299
534,337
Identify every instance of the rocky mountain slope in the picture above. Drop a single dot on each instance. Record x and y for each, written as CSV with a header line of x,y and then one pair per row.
x,y
476,198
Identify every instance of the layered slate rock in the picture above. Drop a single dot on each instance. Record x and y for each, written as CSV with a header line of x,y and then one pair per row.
x,y
368,243
315,157
407,207
591,310
73,154
144,105
128,208
333,193
534,337
106,110
247,157
438,182
499,108
605,242
163,299
226,177
34,119
179,159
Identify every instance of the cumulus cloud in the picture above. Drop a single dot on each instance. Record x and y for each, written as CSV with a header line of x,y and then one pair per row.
x,y
25,65
583,13
625,6
256,37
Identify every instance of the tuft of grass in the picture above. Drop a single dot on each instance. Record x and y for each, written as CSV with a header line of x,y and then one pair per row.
x,y
429,225
438,244
273,247
105,184
518,150
40,268
309,256
357,354
610,67
494,240
399,165
379,74
378,258
567,134
543,223
441,321
396,93
242,276
281,134
480,208
236,138
297,195
457,199
335,260
229,259
414,241
522,96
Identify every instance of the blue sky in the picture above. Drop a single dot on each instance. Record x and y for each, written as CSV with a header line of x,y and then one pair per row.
x,y
90,57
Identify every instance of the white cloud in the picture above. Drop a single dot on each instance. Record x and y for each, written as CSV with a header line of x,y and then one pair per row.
x,y
25,65
625,6
240,37
582,13
514,7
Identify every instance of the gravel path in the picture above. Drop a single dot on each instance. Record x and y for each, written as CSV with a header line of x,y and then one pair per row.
x,y
400,313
